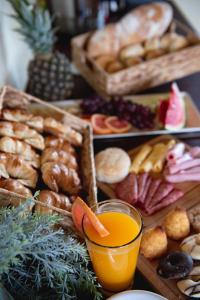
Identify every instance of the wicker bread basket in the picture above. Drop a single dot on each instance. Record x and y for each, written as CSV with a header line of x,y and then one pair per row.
x,y
147,74
17,99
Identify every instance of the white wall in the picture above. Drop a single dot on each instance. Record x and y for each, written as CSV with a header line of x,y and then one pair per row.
x,y
191,10
14,53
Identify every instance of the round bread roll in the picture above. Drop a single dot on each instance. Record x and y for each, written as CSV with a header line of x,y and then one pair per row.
x,y
112,165
177,224
153,243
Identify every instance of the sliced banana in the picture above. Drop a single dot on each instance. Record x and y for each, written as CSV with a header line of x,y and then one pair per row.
x,y
191,245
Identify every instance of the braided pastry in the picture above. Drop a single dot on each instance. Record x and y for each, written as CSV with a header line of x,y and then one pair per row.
x,y
53,199
57,177
22,132
18,168
15,186
10,145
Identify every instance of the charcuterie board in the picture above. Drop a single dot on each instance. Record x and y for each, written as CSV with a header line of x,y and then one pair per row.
x,y
167,288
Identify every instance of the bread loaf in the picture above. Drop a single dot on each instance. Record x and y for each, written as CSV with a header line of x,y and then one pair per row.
x,y
143,23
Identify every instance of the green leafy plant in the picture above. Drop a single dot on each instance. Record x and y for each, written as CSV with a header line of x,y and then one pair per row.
x,y
39,262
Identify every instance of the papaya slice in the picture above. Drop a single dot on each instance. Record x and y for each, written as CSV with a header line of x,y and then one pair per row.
x,y
79,210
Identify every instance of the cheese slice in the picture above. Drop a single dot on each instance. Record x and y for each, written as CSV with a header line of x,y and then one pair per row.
x,y
139,158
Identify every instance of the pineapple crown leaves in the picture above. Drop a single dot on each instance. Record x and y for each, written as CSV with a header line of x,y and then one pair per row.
x,y
35,257
35,25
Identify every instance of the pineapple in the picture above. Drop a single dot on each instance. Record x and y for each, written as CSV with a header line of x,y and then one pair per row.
x,y
49,72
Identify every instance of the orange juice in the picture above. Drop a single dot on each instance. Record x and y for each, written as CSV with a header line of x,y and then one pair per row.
x,y
114,257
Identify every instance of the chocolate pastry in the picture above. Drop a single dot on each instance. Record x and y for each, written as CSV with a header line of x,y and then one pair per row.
x,y
190,287
175,265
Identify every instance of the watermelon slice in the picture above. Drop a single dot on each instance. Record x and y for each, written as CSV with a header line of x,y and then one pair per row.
x,y
172,111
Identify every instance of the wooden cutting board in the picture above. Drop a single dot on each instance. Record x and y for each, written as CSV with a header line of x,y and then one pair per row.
x,y
190,199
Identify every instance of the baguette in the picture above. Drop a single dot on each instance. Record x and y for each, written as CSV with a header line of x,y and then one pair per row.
x,y
143,23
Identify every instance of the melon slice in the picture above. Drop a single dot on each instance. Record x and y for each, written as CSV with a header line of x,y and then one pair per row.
x,y
175,115
79,210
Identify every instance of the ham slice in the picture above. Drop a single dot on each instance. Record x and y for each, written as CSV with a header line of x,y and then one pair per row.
x,y
145,192
184,166
142,179
195,170
127,189
176,152
195,151
187,156
152,190
169,199
163,190
183,177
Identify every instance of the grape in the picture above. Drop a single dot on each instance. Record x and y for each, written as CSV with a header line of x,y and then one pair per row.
x,y
138,115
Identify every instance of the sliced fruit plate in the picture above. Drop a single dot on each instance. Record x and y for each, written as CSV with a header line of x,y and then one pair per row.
x,y
155,114
162,179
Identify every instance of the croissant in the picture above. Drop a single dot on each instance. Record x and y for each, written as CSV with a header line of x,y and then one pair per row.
x,y
22,132
58,176
19,115
10,145
18,168
66,132
59,155
59,143
53,199
15,186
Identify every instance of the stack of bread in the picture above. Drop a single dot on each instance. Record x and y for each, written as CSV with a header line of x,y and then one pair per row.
x,y
35,149
140,35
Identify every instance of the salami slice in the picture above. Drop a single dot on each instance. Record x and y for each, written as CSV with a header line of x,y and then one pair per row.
x,y
152,190
141,200
169,199
127,189
142,179
163,190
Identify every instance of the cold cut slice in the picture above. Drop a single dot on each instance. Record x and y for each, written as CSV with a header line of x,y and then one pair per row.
x,y
152,190
142,179
169,199
194,170
195,151
185,165
163,190
183,177
141,200
176,152
127,189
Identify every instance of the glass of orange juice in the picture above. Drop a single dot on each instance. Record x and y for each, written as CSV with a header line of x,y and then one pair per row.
x,y
114,257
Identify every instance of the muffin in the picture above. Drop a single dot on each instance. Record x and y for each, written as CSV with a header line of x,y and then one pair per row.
x,y
154,243
177,224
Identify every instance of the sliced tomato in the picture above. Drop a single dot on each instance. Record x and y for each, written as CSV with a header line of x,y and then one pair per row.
x,y
79,210
116,125
99,124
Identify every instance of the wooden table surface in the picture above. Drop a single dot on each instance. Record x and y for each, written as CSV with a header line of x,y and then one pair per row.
x,y
190,84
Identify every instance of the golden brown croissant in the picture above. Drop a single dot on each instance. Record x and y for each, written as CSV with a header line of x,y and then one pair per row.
x,y
18,168
19,115
22,132
11,145
59,155
57,177
15,186
66,132
59,143
53,199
